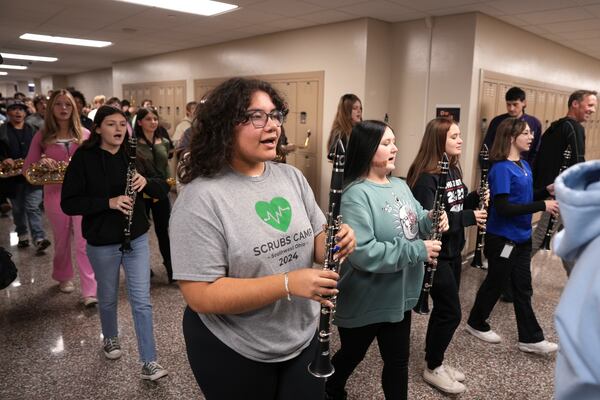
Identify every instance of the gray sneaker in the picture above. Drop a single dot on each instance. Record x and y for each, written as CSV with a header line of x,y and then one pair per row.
x,y
112,348
153,371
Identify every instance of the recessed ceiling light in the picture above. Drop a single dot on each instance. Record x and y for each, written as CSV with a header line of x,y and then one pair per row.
x,y
3,73
8,66
199,7
27,57
65,40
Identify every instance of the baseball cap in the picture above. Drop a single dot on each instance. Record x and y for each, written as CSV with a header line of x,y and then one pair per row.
x,y
13,103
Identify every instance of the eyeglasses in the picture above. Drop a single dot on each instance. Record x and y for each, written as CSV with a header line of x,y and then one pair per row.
x,y
259,117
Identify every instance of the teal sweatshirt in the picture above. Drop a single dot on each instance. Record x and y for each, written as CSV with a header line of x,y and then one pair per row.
x,y
382,278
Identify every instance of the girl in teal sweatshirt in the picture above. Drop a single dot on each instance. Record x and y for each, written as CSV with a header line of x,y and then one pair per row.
x,y
381,281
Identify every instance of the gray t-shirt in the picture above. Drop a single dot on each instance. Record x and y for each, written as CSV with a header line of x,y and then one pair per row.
x,y
238,226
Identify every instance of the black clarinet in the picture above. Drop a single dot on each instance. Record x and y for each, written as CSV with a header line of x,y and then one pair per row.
x,y
131,193
483,186
550,229
422,306
321,366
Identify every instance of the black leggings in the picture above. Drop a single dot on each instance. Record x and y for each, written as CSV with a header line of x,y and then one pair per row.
x,y
224,374
518,268
393,339
445,315
161,212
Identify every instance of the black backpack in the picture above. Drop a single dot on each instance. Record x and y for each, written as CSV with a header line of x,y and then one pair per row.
x,y
8,269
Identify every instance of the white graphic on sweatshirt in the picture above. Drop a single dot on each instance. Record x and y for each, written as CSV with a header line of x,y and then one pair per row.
x,y
405,217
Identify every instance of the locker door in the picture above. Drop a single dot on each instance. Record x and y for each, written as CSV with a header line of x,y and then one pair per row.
x,y
549,111
179,103
560,107
307,109
289,91
540,105
500,98
532,99
488,107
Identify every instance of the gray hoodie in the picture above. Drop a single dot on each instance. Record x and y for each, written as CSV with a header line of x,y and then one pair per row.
x,y
578,312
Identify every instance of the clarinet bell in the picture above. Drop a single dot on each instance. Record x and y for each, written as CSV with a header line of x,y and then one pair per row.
x,y
321,366
422,306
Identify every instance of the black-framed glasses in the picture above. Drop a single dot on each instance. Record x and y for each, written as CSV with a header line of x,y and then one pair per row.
x,y
259,118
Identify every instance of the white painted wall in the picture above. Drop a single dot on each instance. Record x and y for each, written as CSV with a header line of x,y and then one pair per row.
x,y
338,49
378,70
93,83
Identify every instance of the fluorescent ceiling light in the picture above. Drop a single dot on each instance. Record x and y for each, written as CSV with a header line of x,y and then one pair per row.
x,y
8,66
31,84
199,7
65,40
3,73
27,57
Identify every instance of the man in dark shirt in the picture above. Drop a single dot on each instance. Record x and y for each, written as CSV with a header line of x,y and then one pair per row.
x,y
515,107
15,139
564,132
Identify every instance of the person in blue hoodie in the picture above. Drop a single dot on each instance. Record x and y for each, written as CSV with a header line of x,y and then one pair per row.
x,y
577,319
381,281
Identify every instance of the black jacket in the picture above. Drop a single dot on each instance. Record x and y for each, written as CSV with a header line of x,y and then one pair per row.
x,y
92,178
563,132
455,197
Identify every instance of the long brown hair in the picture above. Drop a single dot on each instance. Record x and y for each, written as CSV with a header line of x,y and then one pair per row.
x,y
51,127
433,146
342,124
507,130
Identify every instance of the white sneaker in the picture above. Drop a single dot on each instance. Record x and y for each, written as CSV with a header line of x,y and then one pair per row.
x,y
66,286
90,301
441,379
543,347
454,373
489,336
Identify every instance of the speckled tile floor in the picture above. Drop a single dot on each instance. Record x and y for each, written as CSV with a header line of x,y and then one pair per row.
x,y
50,346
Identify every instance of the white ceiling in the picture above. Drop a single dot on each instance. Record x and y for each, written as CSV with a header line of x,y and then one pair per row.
x,y
138,31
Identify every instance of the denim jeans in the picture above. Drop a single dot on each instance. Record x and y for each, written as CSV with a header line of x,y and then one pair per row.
x,y
106,261
26,211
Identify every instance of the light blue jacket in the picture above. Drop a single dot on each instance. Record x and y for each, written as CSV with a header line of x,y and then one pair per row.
x,y
578,312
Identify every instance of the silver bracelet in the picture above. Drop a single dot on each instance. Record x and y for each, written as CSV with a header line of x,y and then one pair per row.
x,y
286,281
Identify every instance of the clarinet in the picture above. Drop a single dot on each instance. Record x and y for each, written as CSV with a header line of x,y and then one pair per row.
x,y
422,306
321,366
483,186
131,193
550,229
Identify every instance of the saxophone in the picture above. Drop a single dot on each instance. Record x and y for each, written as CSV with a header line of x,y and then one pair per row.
x,y
39,174
131,193
422,306
15,170
321,366
483,186
550,229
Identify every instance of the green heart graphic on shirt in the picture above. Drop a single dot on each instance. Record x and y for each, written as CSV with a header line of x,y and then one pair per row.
x,y
277,213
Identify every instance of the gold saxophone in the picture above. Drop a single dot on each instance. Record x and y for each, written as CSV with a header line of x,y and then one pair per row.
x,y
38,174
16,169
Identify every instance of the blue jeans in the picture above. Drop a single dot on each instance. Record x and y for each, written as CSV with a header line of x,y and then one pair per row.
x,y
106,262
26,211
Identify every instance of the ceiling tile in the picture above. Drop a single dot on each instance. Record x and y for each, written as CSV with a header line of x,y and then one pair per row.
x,y
573,26
328,16
547,17
591,34
384,10
459,9
514,7
429,5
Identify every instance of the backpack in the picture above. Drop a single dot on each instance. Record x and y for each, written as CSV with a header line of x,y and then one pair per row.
x,y
8,269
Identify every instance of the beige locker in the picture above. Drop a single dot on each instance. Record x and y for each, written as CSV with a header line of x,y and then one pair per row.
x,y
488,107
550,110
539,108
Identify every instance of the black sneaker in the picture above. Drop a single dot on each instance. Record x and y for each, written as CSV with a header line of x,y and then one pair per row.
x,y
23,243
112,348
40,246
153,371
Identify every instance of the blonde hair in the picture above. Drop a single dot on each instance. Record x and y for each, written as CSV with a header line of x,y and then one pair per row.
x,y
100,99
51,126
